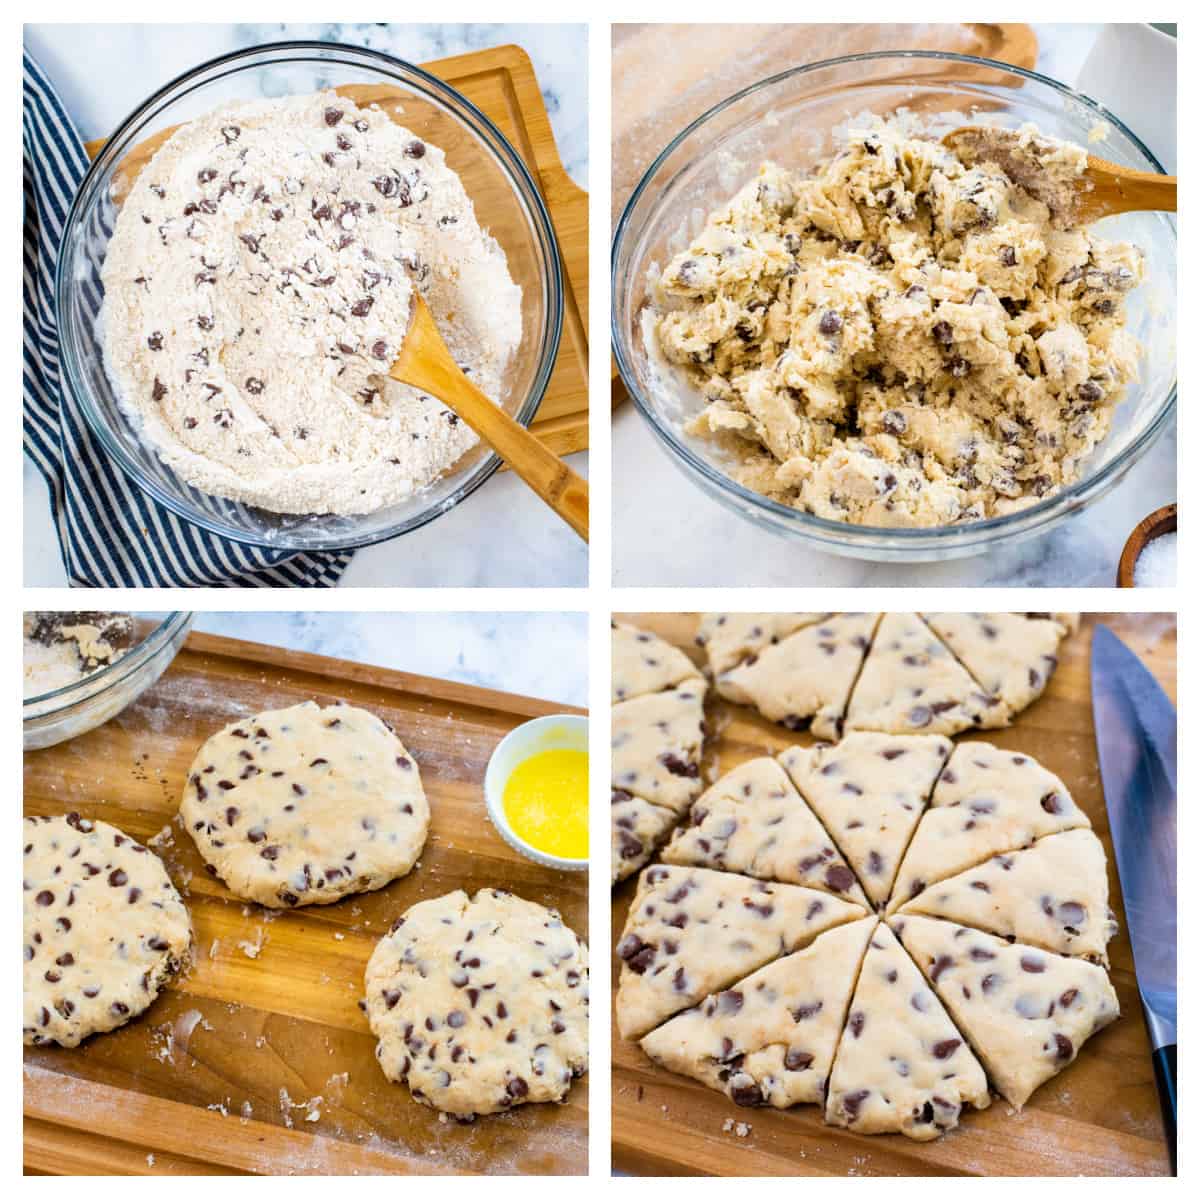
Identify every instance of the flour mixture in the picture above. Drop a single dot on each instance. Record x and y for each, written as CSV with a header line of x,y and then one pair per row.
x,y
257,289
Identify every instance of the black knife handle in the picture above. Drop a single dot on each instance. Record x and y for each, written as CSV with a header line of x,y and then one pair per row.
x,y
1164,1076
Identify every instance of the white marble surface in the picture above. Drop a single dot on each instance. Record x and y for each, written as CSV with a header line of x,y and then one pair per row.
x,y
461,549
666,532
530,654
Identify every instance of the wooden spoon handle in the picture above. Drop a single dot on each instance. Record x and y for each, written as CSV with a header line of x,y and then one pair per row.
x,y
425,363
1117,189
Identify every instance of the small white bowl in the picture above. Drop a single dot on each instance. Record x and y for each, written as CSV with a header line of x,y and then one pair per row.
x,y
563,731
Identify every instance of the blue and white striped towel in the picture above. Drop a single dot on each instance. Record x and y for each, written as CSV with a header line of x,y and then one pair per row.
x,y
111,534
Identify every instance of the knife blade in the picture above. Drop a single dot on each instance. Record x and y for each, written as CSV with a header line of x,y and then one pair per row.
x,y
1136,733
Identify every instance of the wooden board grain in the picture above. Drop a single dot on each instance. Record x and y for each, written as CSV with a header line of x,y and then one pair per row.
x,y
501,82
1099,1117
166,1093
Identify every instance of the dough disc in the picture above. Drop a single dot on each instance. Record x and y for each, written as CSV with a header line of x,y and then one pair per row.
x,y
480,1003
305,805
104,929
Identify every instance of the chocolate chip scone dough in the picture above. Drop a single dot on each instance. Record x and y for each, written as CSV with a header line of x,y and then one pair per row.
x,y
771,1039
1053,895
901,1065
656,746
257,290
805,679
753,821
692,931
1011,656
900,339
911,683
1025,1012
480,1003
869,790
731,638
638,829
305,805
642,663
104,929
988,801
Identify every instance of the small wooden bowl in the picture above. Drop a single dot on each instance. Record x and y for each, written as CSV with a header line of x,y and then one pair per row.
x,y
1162,520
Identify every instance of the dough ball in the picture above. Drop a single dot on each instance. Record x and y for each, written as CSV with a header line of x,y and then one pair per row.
x,y
306,805
480,1003
104,929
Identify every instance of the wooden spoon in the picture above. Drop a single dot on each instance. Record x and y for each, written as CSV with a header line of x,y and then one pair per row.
x,y
1102,190
427,364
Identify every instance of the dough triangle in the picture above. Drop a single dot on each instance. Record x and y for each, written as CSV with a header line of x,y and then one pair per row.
x,y
911,683
1008,654
1053,895
691,932
806,679
638,828
901,1065
1025,1012
643,663
657,742
988,801
869,791
731,638
755,822
770,1039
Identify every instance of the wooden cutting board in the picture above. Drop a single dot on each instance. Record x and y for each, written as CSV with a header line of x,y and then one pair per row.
x,y
665,76
502,83
1099,1117
165,1094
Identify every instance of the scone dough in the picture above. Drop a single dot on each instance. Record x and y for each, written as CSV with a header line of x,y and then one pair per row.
x,y
1053,895
869,790
901,1066
770,1039
638,829
899,339
1025,1012
643,663
753,821
656,746
988,801
104,929
1011,656
911,683
480,1003
692,931
731,638
806,679
305,805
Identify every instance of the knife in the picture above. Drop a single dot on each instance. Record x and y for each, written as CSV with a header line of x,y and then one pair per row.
x,y
1135,737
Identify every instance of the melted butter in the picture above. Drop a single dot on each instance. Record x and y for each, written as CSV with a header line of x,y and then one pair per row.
x,y
546,802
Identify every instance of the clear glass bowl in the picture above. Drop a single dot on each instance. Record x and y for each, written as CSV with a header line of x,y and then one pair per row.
x,y
69,711
791,118
507,203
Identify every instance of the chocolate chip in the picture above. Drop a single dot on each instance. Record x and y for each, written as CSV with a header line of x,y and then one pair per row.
x,y
945,1049
333,116
414,149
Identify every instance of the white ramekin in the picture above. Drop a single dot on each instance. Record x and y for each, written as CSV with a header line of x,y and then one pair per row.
x,y
563,731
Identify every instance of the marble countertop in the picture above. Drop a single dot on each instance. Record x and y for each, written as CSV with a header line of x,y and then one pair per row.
x,y
459,549
666,532
530,654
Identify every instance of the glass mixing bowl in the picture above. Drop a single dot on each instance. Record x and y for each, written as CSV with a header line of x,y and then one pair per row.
x,y
507,203
81,706
791,118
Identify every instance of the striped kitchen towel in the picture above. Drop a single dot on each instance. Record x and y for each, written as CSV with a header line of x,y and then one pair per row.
x,y
111,534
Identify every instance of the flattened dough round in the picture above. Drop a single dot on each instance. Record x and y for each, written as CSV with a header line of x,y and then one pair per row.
x,y
305,805
480,1003
104,929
